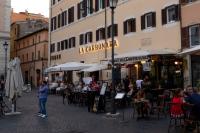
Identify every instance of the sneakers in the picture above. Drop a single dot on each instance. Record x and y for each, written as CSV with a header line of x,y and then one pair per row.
x,y
43,116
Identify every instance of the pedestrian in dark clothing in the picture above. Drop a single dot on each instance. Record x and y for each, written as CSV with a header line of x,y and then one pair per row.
x,y
195,100
42,95
126,84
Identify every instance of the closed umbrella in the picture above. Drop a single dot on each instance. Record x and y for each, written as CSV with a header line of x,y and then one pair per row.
x,y
14,81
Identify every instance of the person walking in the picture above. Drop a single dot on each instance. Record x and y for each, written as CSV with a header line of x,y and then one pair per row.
x,y
42,95
126,84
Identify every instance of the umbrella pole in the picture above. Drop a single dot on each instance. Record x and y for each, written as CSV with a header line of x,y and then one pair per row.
x,y
13,107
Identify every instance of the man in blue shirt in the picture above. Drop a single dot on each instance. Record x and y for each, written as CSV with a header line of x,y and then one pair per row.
x,y
194,98
42,95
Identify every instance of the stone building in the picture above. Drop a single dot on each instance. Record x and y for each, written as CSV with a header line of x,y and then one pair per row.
x,y
5,12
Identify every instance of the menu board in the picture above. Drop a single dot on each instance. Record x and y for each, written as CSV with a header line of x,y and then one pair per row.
x,y
103,89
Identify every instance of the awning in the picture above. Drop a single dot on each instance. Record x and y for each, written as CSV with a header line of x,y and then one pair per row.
x,y
142,54
190,50
69,66
95,67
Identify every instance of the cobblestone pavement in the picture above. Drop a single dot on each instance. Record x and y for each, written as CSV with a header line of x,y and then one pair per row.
x,y
72,119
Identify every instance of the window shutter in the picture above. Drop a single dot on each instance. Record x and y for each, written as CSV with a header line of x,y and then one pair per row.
x,y
96,5
103,3
178,12
103,31
134,25
164,16
86,38
116,30
125,27
97,35
91,6
153,19
85,8
66,44
55,23
78,10
108,3
185,37
81,39
65,17
143,22
51,24
90,35
109,31
74,42
58,20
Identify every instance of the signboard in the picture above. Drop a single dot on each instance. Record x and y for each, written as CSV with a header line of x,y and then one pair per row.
x,y
103,89
146,66
97,46
120,96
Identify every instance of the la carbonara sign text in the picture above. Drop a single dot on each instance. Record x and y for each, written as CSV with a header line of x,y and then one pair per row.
x,y
97,47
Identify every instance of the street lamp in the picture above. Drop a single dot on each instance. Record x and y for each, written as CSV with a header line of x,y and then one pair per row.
x,y
5,45
113,5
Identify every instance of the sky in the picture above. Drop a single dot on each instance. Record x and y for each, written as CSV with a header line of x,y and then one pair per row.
x,y
33,6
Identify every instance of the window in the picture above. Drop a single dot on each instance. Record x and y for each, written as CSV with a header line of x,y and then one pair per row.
x,y
72,42
53,23
33,41
64,18
187,1
71,15
100,34
148,20
59,18
81,39
39,55
66,44
62,45
88,37
32,56
79,10
170,14
53,2
89,8
129,25
194,35
99,4
109,33
58,46
52,48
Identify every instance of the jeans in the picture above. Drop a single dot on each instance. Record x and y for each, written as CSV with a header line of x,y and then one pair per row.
x,y
42,105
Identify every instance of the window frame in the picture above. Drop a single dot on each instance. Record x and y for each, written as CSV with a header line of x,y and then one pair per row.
x,y
167,13
190,35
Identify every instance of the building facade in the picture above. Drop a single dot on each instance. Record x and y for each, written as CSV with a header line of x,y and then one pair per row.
x,y
81,31
32,49
5,12
23,23
191,41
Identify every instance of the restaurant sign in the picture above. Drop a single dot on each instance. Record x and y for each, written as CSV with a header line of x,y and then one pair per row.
x,y
97,46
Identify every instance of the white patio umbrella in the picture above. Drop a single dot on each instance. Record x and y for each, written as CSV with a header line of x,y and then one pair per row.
x,y
14,81
95,67
69,66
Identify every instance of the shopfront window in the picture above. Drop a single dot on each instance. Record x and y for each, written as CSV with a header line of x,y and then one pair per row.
x,y
194,34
